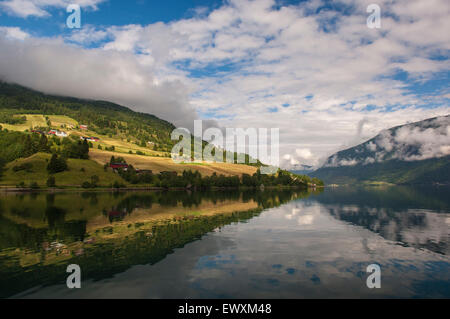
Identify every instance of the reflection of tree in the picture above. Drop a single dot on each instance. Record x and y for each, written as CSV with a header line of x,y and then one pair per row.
x,y
62,230
50,199
146,243
116,255
14,235
55,216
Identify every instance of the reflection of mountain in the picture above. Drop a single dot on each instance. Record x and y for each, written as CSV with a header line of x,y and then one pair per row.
x,y
416,153
398,214
31,256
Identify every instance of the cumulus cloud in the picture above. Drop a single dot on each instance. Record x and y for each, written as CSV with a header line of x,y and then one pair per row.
x,y
13,33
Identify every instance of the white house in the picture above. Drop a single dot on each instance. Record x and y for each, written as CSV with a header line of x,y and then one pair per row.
x,y
61,134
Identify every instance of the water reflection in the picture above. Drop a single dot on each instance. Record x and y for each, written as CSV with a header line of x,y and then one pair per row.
x,y
107,233
416,217
278,244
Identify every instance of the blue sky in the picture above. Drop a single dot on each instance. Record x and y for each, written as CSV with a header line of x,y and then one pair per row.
x,y
108,13
313,69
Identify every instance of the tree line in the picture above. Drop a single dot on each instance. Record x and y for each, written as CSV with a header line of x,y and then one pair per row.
x,y
194,179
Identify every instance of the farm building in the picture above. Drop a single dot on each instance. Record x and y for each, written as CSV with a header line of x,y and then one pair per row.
x,y
116,166
89,139
57,133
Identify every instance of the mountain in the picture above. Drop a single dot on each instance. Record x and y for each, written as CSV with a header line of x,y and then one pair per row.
x,y
414,153
302,169
23,109
103,118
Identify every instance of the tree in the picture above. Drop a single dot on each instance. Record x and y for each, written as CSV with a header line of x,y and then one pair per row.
x,y
84,151
56,164
94,180
29,148
43,144
51,181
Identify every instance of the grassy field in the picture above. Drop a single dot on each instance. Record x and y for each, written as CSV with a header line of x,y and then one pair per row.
x,y
60,120
75,176
57,121
33,120
158,164
153,160
38,120
120,145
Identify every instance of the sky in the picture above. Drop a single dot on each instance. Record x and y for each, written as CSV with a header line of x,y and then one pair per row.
x,y
313,69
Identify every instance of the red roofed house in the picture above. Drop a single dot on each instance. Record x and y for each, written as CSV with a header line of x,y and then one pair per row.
x,y
115,166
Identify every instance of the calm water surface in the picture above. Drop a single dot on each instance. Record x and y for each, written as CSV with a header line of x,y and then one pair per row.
x,y
270,244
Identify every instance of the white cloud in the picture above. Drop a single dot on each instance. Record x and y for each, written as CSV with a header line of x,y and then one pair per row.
x,y
37,8
14,33
304,153
411,142
54,67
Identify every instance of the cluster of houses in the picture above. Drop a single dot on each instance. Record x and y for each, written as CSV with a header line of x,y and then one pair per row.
x,y
64,134
51,132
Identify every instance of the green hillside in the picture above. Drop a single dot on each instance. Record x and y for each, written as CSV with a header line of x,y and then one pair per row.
x,y
79,171
101,117
118,128
84,136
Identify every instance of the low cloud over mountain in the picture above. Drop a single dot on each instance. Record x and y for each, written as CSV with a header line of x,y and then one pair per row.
x,y
411,142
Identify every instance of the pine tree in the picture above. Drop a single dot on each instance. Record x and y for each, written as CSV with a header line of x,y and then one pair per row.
x,y
43,144
56,164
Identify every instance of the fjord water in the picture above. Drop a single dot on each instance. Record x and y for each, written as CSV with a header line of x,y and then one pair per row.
x,y
227,244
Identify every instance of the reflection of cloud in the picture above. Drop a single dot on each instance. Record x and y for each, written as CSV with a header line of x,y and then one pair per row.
x,y
293,213
248,261
305,220
414,227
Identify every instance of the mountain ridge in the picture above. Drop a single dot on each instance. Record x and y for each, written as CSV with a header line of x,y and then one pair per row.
x,y
413,153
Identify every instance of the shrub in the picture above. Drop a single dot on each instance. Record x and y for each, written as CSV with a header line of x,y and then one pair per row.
x,y
23,167
118,185
57,164
34,185
21,185
86,185
94,180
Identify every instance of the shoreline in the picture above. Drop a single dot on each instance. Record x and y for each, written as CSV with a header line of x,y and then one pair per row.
x,y
8,189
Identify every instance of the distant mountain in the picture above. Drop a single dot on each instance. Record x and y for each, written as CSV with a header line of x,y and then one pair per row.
x,y
415,153
302,169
